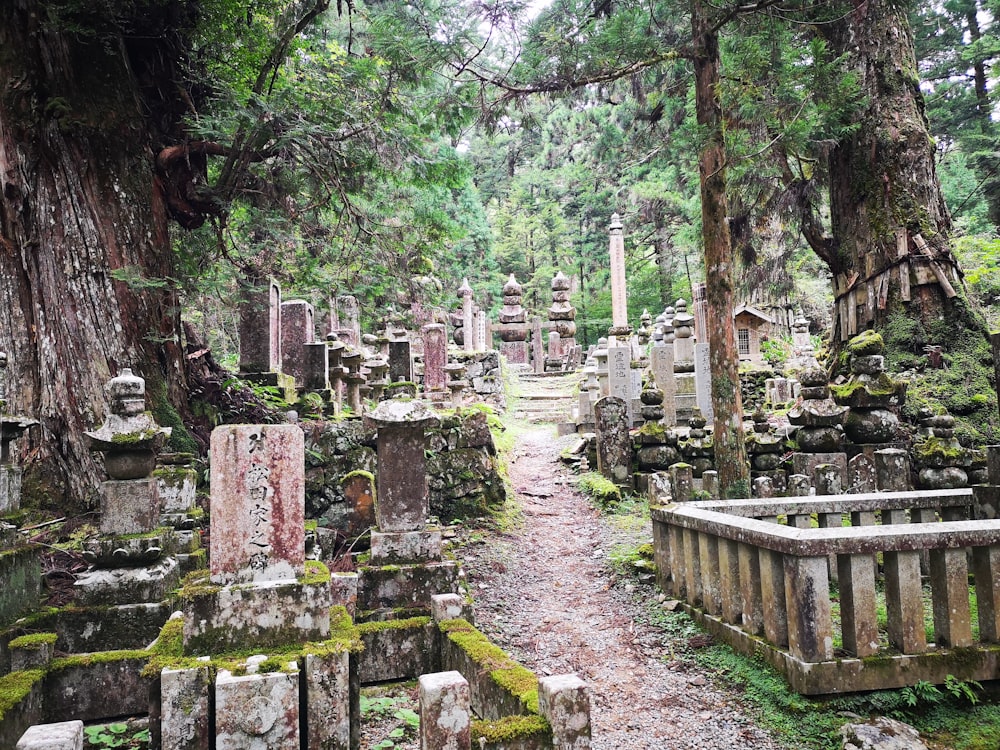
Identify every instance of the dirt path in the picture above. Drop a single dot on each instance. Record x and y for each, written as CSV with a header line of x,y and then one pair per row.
x,y
544,592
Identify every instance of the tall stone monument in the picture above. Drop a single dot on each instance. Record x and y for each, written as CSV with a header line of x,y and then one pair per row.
x,y
562,316
513,328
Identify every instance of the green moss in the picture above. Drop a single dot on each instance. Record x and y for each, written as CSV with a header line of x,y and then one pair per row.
x,y
400,384
315,573
883,385
654,430
196,584
510,729
600,488
130,438
170,643
34,641
410,622
99,657
15,687
935,447
180,440
866,343
513,677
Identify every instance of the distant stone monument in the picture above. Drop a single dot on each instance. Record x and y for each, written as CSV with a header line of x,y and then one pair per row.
x,y
513,328
614,445
620,327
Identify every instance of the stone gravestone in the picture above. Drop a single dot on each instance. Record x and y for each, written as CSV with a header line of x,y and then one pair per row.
x,y
400,362
435,358
258,508
401,497
297,330
260,328
620,376
661,361
614,445
703,381
537,347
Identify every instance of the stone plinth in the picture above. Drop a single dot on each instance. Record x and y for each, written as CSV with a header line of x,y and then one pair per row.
x,y
405,547
445,713
128,585
258,503
401,503
64,735
703,381
268,614
258,711
407,588
565,703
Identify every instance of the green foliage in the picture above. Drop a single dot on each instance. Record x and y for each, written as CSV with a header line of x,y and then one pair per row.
x,y
116,734
602,491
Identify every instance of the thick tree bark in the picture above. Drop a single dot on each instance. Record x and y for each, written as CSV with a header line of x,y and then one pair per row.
x,y
80,202
889,221
730,449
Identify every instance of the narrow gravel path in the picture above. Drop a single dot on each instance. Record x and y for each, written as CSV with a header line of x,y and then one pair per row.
x,y
545,594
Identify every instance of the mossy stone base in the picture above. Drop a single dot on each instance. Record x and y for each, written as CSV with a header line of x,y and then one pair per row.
x,y
267,615
397,650
129,585
393,587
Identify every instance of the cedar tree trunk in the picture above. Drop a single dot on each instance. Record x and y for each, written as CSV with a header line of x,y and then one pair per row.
x,y
730,448
80,201
889,222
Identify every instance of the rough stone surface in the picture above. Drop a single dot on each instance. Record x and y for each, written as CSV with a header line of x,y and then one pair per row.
x,y
258,503
881,734
64,735
445,717
614,446
260,328
405,547
257,711
405,586
129,506
272,613
184,709
565,702
128,585
328,701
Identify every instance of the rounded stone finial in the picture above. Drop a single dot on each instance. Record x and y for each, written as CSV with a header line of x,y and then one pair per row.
x,y
616,222
512,288
559,282
465,289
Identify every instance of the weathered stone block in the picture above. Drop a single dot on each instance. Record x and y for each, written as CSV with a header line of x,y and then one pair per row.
x,y
128,585
266,614
565,702
10,488
257,711
405,547
21,573
405,586
344,591
129,506
445,717
397,650
184,708
64,735
328,700
93,691
176,486
258,508
31,652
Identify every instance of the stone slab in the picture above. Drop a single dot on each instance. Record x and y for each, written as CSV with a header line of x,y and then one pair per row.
x,y
395,653
128,585
395,548
257,711
564,701
268,614
405,586
63,735
258,503
185,719
445,716
329,704
10,488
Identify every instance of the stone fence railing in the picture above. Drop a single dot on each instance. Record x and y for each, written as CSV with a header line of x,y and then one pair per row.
x,y
840,608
